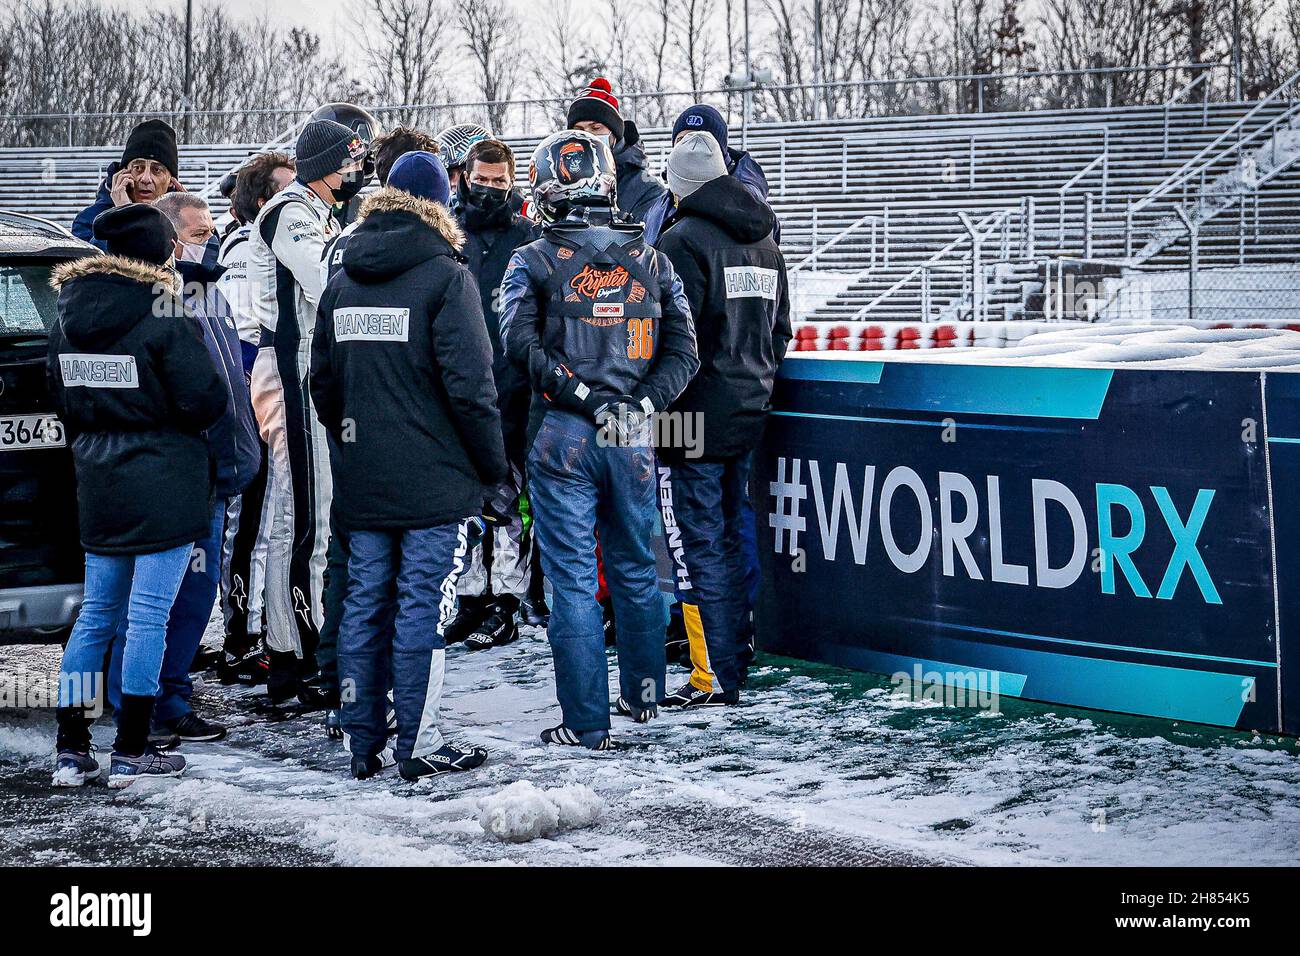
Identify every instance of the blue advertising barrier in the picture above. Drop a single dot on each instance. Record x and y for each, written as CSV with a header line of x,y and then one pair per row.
x,y
1114,539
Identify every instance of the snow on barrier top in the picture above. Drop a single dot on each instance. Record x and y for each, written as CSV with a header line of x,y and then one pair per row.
x,y
1254,348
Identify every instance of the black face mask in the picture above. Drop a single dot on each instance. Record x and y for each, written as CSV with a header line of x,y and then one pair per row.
x,y
352,184
483,205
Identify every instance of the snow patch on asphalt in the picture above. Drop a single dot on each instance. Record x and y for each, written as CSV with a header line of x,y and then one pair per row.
x,y
524,811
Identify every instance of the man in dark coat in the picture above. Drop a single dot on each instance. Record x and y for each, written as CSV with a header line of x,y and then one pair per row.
x,y
703,118
720,242
504,577
401,376
595,111
136,389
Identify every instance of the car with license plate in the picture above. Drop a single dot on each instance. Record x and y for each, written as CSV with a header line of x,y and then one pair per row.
x,y
41,563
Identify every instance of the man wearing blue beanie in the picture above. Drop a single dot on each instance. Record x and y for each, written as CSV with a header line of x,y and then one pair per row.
x,y
702,118
401,378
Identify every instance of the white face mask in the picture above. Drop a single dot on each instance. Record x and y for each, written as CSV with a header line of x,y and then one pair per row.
x,y
193,251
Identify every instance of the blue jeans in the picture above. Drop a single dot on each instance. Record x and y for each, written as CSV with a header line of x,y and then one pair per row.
x,y
141,586
401,594
704,509
579,490
189,618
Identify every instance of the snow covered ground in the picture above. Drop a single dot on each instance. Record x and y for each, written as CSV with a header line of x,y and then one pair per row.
x,y
821,765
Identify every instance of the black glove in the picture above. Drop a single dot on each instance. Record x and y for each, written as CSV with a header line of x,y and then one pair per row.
x,y
625,421
565,390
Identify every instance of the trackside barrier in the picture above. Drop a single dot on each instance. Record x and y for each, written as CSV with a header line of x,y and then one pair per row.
x,y
1121,538
892,336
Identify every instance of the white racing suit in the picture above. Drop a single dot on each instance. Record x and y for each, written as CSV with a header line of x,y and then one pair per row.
x,y
243,565
286,275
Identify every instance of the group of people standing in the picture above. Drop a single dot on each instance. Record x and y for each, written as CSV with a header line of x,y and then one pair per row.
x,y
379,425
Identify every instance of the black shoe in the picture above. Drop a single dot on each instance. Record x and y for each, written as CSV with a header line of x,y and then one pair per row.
x,y
333,725
533,612
470,613
204,658
607,621
363,768
250,668
194,729
642,715
445,759
498,628
688,695
591,739
314,697
160,738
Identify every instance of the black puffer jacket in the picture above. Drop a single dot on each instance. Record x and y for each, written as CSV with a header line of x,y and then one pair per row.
x,y
638,188
734,275
136,388
401,372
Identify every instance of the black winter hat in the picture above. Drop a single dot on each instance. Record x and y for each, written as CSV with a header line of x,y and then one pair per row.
x,y
136,231
597,102
325,147
153,139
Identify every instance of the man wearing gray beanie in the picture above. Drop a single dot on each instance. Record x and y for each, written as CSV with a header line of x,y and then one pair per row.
x,y
694,161
286,278
720,243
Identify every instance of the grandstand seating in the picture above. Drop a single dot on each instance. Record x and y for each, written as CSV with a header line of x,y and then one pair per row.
x,y
904,181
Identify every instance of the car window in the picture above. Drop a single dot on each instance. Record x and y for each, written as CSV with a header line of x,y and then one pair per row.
x,y
27,303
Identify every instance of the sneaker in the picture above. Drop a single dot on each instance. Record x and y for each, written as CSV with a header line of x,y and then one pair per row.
x,y
533,612
470,613
124,770
251,668
73,768
688,695
497,630
194,729
591,739
642,715
333,724
160,738
445,759
363,768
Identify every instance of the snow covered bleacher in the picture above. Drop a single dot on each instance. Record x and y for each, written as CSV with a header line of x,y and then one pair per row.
x,y
876,212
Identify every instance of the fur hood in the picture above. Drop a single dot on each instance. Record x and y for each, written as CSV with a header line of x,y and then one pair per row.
x,y
135,269
434,215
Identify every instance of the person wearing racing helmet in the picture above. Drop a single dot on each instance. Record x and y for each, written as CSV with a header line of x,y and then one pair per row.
x,y
600,324
365,125
286,279
453,146
596,111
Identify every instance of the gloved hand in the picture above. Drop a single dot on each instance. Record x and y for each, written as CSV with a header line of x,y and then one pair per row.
x,y
498,504
565,390
625,421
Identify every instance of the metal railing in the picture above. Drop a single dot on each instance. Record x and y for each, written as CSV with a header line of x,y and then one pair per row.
x,y
1197,164
975,233
773,103
879,226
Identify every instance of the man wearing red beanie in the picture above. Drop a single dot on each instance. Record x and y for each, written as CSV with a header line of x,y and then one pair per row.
x,y
595,111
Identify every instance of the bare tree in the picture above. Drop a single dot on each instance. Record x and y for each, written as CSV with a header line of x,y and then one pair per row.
x,y
492,36
693,38
403,45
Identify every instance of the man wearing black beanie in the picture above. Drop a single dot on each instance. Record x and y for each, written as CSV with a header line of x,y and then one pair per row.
x,y
148,170
286,276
